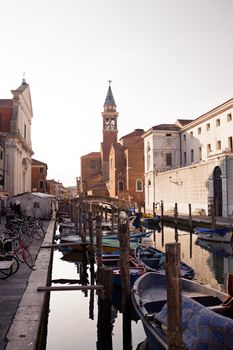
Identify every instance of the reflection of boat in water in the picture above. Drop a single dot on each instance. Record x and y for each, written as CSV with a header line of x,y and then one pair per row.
x,y
206,313
223,234
219,248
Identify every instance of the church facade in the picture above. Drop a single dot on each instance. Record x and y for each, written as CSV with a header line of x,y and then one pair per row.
x,y
118,169
15,136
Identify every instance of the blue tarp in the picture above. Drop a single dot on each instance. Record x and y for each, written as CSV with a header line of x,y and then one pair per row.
x,y
203,329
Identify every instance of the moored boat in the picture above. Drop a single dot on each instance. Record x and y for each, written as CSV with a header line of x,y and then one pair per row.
x,y
154,260
223,234
203,308
112,261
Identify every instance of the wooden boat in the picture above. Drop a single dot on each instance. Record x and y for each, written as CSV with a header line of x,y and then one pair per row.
x,y
154,260
206,313
112,261
142,224
223,234
109,245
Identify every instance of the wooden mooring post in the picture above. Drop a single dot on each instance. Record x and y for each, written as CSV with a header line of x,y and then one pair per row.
x,y
190,219
125,284
104,323
162,222
99,243
174,296
176,222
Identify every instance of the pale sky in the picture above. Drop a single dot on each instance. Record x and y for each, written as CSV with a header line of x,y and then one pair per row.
x,y
168,59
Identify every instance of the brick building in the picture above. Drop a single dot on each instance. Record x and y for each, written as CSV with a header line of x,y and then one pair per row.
x,y
39,176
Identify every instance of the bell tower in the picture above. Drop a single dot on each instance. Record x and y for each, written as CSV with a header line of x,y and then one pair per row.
x,y
109,130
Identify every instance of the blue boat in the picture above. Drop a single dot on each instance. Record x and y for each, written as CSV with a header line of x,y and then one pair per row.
x,y
222,234
154,260
206,313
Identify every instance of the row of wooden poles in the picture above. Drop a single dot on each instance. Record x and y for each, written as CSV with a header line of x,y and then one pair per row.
x,y
83,216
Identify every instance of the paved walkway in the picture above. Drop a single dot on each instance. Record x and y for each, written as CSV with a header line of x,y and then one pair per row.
x,y
20,304
203,218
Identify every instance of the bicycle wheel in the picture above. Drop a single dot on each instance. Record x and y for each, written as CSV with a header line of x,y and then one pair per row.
x,y
27,257
38,232
19,254
5,273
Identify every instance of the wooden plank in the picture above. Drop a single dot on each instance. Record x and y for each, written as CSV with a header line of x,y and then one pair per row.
x,y
64,288
65,244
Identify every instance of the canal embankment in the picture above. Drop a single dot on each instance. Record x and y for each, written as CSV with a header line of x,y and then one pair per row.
x,y
21,305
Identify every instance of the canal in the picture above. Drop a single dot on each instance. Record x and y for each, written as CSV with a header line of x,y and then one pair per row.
x,y
73,315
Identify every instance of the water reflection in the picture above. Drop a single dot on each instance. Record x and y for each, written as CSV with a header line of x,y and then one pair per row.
x,y
74,319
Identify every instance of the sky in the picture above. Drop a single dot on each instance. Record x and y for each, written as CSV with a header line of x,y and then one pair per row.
x,y
167,59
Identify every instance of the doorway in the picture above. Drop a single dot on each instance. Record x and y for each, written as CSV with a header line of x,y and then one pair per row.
x,y
217,190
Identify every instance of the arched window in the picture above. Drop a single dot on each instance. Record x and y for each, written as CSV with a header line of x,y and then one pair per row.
x,y
139,185
121,185
149,183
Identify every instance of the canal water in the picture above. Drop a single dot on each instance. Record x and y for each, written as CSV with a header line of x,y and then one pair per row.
x,y
73,315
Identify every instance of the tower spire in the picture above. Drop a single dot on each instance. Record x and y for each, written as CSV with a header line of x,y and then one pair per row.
x,y
109,101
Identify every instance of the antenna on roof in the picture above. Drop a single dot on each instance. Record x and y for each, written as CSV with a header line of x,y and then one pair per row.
x,y
109,81
24,81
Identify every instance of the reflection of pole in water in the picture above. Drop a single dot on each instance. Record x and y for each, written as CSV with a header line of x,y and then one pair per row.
x,y
92,272
191,245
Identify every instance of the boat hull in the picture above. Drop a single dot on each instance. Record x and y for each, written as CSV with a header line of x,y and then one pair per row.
x,y
224,235
154,260
149,297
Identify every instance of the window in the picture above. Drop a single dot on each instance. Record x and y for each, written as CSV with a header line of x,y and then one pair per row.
x,y
192,155
25,131
208,126
41,184
218,145
217,122
168,159
1,155
229,117
230,145
139,185
184,137
208,148
93,164
199,131
185,158
41,170
191,134
148,155
168,135
200,153
121,185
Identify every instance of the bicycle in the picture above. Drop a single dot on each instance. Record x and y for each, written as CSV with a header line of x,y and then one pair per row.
x,y
21,251
9,264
